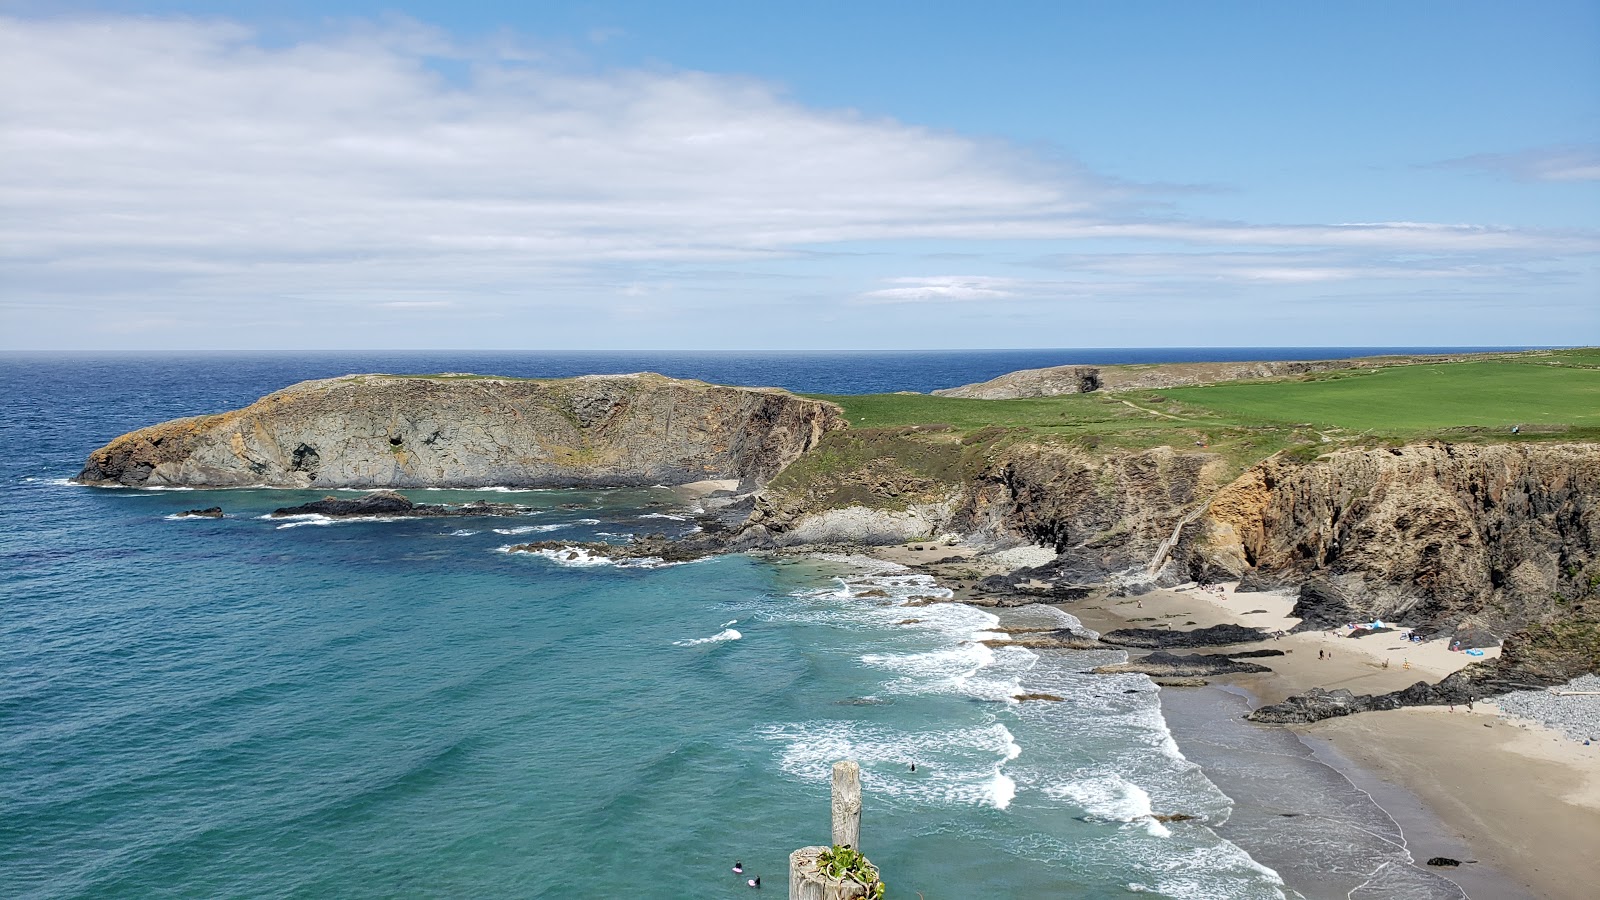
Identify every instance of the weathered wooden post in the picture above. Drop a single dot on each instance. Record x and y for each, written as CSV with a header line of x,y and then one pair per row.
x,y
806,881
847,804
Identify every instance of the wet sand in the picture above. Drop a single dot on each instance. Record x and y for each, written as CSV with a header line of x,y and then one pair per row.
x,y
1520,799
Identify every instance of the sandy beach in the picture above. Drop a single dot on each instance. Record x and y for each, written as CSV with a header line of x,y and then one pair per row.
x,y
1523,799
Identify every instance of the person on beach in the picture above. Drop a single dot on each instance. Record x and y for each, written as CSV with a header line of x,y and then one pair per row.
x,y
738,867
1319,654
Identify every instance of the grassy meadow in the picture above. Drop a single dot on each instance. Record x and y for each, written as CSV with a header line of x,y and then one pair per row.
x,y
1545,395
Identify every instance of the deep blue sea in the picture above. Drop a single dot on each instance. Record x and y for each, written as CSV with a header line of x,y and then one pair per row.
x,y
249,707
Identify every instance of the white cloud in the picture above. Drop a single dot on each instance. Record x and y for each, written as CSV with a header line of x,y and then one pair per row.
x,y
188,172
170,144
944,287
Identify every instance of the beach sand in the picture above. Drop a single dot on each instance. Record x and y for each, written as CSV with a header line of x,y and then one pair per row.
x,y
1522,799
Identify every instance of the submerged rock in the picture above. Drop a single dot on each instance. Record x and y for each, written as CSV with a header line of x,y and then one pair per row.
x,y
650,546
210,512
389,503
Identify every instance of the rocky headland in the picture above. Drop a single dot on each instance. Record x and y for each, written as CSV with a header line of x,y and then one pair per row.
x,y
386,431
1479,543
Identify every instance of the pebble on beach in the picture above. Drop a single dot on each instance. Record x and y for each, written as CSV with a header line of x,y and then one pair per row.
x,y
1576,716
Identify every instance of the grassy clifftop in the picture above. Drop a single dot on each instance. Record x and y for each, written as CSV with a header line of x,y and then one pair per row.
x,y
1548,395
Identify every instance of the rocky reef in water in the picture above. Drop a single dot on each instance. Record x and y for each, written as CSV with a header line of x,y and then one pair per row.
x,y
392,505
385,431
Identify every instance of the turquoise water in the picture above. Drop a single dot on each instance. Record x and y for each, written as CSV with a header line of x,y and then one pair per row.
x,y
252,707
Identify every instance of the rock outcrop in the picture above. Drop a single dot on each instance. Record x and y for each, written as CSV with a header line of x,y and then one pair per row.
x,y
1176,665
469,431
1539,656
388,504
1162,638
1435,536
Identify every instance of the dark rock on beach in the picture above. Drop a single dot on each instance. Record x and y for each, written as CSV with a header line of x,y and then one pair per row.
x,y
1161,639
1443,861
389,503
1538,657
1313,706
1173,665
1251,654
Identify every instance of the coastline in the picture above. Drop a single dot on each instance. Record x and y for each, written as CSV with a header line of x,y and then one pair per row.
x,y
1454,787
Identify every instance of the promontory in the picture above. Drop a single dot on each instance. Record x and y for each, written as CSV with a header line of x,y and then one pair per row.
x,y
388,431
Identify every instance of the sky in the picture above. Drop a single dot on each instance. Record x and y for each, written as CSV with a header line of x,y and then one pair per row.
x,y
604,175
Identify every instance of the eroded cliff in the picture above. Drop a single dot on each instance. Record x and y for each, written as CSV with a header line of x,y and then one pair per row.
x,y
1474,540
1486,537
371,431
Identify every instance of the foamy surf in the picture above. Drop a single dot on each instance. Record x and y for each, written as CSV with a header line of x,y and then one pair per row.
x,y
956,767
533,529
582,558
726,634
1108,797
301,519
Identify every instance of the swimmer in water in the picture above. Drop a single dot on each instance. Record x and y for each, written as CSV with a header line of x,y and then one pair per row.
x,y
738,866
754,882
913,767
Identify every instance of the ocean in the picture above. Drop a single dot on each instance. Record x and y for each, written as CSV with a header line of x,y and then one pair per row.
x,y
252,707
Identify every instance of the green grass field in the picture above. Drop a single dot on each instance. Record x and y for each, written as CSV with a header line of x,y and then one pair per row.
x,y
1547,395
1413,399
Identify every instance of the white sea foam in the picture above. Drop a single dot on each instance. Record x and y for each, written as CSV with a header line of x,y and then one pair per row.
x,y
462,532
955,767
577,557
180,517
726,634
298,520
1109,797
674,518
582,558
533,529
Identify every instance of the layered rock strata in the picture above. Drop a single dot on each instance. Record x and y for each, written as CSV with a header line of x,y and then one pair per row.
x,y
372,431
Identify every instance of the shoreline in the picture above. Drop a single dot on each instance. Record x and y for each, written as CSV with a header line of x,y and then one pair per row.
x,y
1449,783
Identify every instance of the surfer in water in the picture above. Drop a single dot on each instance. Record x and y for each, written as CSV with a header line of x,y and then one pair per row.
x,y
738,867
913,767
754,882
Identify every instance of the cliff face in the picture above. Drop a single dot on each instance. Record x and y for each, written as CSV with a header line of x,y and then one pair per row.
x,y
1106,512
1479,539
1491,537
373,431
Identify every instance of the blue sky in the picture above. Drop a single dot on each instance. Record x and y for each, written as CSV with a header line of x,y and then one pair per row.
x,y
605,175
